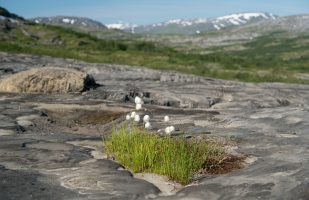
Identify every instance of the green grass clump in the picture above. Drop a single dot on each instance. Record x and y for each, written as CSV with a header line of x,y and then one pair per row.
x,y
177,158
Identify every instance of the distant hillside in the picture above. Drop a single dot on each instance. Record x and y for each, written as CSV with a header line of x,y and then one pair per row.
x,y
271,56
197,26
235,37
288,27
8,21
292,24
81,24
70,21
5,13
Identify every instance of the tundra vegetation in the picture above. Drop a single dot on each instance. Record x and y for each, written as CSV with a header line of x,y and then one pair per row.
x,y
273,57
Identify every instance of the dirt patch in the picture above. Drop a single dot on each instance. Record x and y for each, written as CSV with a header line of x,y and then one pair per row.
x,y
97,117
83,117
76,119
228,164
80,115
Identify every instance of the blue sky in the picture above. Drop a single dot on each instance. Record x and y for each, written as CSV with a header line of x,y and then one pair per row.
x,y
150,11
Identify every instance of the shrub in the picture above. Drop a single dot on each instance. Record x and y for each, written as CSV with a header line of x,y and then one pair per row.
x,y
144,46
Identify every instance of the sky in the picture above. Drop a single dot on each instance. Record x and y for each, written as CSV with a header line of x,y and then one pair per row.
x,y
150,11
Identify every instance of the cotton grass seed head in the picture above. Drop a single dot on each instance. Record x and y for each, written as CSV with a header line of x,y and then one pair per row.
x,y
169,130
137,118
138,106
148,125
138,100
146,118
133,114
128,117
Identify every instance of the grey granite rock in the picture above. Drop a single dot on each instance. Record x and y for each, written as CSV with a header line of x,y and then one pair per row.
x,y
60,157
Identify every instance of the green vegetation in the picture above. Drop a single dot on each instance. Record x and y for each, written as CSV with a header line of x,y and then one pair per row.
x,y
176,158
271,58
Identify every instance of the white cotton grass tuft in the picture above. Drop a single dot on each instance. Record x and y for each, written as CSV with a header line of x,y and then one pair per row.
x,y
169,130
138,106
128,117
138,100
172,129
166,118
148,125
146,118
137,118
133,114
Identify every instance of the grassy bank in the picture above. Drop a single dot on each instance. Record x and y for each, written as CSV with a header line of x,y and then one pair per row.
x,y
177,158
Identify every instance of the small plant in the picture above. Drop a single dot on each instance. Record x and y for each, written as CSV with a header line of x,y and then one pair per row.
x,y
177,158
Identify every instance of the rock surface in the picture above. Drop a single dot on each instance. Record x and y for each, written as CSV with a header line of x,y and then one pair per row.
x,y
47,80
51,148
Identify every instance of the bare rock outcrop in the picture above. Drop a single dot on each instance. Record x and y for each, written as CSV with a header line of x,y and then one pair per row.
x,y
47,80
51,145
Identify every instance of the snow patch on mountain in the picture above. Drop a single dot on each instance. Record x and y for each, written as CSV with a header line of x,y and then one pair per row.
x,y
217,27
181,22
122,26
246,16
66,20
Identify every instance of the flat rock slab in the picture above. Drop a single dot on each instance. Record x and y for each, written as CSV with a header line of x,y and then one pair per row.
x,y
57,153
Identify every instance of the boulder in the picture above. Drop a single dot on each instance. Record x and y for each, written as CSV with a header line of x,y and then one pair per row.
x,y
47,80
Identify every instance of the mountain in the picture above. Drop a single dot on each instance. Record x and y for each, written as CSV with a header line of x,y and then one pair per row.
x,y
255,52
8,21
82,24
197,26
235,37
292,24
4,13
289,26
79,22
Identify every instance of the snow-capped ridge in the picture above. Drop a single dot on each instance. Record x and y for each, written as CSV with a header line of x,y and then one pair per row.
x,y
247,16
69,21
235,19
198,25
243,18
